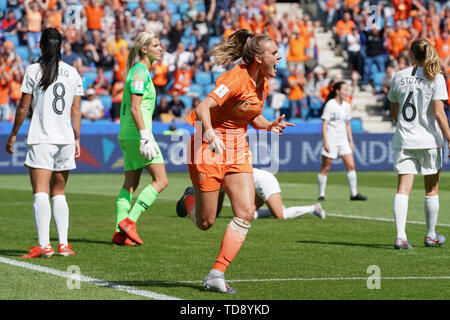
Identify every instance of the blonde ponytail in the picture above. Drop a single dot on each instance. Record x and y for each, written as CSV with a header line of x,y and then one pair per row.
x,y
142,40
426,55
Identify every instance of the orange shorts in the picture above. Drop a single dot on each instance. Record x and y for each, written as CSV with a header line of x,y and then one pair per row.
x,y
208,169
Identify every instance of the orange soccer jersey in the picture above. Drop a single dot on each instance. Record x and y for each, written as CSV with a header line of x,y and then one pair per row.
x,y
239,101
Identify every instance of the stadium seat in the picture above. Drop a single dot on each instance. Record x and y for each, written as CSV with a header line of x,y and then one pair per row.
x,y
14,38
209,87
152,6
187,101
215,75
182,7
3,5
131,5
36,53
196,88
175,18
213,40
268,113
201,6
109,74
106,101
315,107
356,125
378,80
23,52
202,77
89,78
173,7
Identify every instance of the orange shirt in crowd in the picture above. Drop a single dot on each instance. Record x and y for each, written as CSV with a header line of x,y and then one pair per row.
x,y
402,9
244,23
398,41
182,81
117,91
14,90
296,51
295,93
344,28
51,3
94,17
34,19
160,74
448,89
258,27
121,59
443,47
4,91
55,19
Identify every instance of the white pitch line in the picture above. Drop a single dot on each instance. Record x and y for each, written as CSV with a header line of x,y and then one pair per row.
x,y
100,283
379,219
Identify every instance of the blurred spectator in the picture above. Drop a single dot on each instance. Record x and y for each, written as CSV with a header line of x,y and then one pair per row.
x,y
106,59
356,59
375,53
175,35
14,90
297,45
114,45
54,15
153,24
102,85
386,85
342,29
183,56
182,80
92,108
160,79
9,23
176,105
296,81
89,56
399,38
68,56
93,13
33,9
163,112
191,12
200,27
117,93
121,62
5,78
170,60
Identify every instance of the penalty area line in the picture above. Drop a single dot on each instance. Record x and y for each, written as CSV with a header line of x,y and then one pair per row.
x,y
81,278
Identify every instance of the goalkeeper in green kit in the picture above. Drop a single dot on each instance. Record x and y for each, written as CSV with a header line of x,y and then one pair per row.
x,y
138,145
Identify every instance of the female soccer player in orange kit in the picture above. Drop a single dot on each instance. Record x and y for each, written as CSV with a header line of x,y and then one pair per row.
x,y
220,157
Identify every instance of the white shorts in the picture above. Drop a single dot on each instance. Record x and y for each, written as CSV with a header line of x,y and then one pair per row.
x,y
411,161
54,157
265,184
337,150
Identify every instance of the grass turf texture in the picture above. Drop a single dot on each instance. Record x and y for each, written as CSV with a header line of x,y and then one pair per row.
x,y
285,255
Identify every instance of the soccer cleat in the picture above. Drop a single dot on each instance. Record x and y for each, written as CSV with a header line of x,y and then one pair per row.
x,y
38,252
129,228
358,197
402,244
121,239
181,207
318,211
434,242
321,198
65,250
217,283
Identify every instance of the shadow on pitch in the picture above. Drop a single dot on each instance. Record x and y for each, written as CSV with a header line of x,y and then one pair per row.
x,y
163,284
71,240
350,244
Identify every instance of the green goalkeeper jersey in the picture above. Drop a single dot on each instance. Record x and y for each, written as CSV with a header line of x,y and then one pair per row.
x,y
138,81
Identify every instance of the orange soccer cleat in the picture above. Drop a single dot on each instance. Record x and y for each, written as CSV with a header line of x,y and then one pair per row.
x,y
121,239
38,252
65,250
129,228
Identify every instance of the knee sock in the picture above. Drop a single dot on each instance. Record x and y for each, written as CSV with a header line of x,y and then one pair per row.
x,y
295,212
189,202
123,206
61,216
400,213
322,182
351,178
231,243
143,202
431,214
42,218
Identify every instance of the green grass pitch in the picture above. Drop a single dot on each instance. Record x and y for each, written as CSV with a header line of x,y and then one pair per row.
x,y
299,259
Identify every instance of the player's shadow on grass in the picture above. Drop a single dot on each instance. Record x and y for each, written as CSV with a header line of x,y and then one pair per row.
x,y
71,240
163,284
12,253
351,244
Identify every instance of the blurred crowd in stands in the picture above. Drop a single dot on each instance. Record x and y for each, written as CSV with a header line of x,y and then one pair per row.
x,y
372,35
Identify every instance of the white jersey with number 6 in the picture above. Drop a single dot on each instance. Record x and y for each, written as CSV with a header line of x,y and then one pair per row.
x,y
417,127
51,122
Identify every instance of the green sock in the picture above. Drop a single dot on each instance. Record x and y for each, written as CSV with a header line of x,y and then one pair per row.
x,y
123,205
145,200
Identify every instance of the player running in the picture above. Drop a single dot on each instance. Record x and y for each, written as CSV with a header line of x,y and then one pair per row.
x,y
416,96
138,145
53,89
225,114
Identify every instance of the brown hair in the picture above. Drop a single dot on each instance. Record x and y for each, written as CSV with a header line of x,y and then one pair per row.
x,y
240,44
424,53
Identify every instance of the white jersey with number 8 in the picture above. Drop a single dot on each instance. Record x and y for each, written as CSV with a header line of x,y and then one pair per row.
x,y
51,122
417,127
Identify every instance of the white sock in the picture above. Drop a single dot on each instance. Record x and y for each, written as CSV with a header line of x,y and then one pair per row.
x,y
431,214
400,213
262,213
61,216
193,217
322,182
295,212
42,218
351,178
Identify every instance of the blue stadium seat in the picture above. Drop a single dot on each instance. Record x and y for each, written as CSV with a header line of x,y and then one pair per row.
x,y
172,6
3,5
315,107
202,77
23,52
36,53
131,5
213,40
89,78
196,88
187,101
182,7
215,75
106,101
175,18
356,125
378,80
109,74
268,113
14,38
152,6
201,6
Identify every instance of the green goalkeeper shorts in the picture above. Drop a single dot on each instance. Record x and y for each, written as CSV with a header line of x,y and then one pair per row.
x,y
132,159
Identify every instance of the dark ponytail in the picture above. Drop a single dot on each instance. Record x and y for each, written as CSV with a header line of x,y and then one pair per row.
x,y
332,94
50,45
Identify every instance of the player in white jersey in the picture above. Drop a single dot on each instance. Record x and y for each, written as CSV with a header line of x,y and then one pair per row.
x,y
416,96
337,139
53,90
